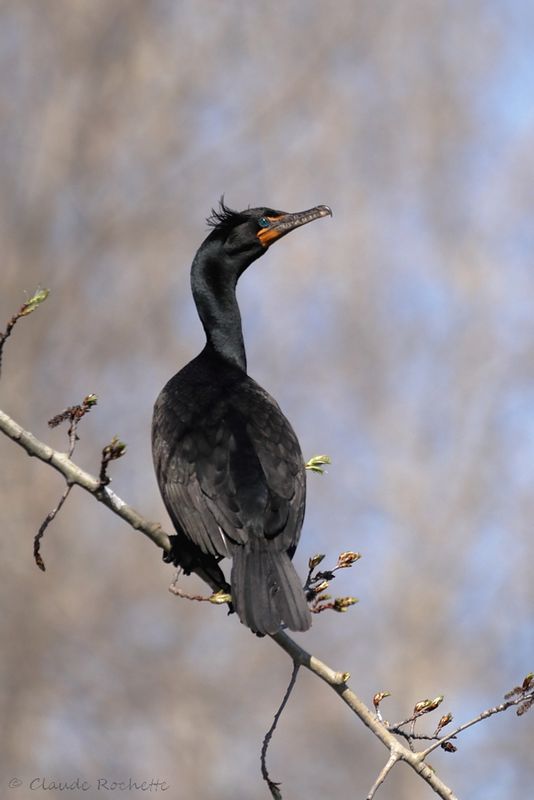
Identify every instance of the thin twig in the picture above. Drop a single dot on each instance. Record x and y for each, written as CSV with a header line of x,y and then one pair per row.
x,y
425,737
74,414
38,297
44,525
216,598
115,449
273,786
523,697
384,772
484,715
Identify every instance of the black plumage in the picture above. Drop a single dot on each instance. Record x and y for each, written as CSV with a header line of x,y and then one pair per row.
x,y
228,463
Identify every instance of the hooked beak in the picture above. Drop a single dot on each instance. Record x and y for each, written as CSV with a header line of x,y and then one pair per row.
x,y
285,223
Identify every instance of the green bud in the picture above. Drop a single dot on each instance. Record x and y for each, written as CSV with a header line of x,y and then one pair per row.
x,y
221,597
39,296
315,464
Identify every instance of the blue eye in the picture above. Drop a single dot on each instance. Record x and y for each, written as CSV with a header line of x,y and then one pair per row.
x,y
263,222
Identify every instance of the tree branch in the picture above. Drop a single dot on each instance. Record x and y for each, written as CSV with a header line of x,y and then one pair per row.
x,y
338,681
484,715
273,786
384,772
76,476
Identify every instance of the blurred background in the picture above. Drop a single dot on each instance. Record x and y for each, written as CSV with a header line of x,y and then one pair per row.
x,y
398,337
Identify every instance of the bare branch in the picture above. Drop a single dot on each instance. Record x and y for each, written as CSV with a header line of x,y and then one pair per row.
x,y
338,682
273,786
525,697
216,598
44,525
75,475
74,414
384,772
521,696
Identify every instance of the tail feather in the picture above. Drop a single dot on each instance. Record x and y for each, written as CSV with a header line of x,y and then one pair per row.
x,y
266,590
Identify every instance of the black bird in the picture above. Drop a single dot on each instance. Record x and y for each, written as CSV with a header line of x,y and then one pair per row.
x,y
229,466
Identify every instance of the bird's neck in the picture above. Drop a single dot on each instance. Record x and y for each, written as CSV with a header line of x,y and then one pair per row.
x,y
216,302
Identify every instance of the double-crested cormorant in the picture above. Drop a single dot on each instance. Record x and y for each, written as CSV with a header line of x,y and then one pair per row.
x,y
228,463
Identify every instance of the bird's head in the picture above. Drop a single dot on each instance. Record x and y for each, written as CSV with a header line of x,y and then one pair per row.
x,y
237,239
246,235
